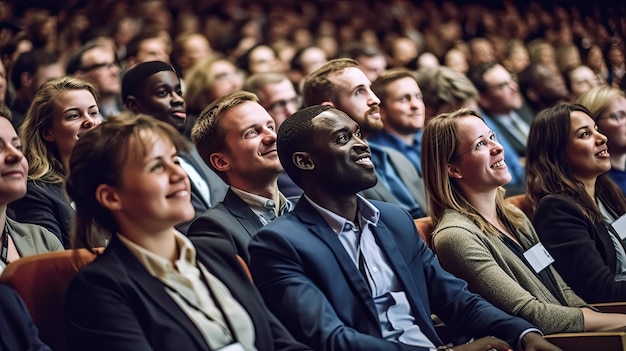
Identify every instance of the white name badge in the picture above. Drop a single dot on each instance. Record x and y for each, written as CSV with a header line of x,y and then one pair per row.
x,y
620,227
538,257
232,347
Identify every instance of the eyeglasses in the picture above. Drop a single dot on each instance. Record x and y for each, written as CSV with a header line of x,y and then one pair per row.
x,y
281,105
482,144
617,116
96,66
509,83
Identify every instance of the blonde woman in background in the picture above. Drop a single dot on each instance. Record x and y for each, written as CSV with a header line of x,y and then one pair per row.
x,y
62,111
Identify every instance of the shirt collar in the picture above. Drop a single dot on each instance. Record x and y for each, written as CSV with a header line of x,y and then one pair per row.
x,y
337,223
260,203
157,265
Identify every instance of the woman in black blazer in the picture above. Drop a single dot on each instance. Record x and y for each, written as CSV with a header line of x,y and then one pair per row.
x,y
152,288
575,204
61,112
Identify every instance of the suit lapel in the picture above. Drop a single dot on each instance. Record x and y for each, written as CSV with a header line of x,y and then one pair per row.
x,y
153,289
245,216
387,243
318,226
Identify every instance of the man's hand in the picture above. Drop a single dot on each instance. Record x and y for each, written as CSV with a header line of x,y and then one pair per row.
x,y
535,342
488,343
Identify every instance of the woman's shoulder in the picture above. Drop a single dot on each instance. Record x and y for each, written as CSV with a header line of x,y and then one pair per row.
x,y
42,238
453,225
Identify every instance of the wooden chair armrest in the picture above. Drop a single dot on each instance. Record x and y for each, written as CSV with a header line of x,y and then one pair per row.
x,y
611,307
615,341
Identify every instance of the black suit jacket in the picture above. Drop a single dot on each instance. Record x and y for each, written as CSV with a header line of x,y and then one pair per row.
x,y
583,251
47,205
231,219
115,304
18,330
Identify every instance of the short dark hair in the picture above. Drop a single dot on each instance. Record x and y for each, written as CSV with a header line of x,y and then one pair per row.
x,y
359,49
380,84
29,62
295,135
75,61
477,75
134,80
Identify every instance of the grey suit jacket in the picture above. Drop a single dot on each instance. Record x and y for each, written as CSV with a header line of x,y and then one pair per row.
x,y
231,219
409,176
31,239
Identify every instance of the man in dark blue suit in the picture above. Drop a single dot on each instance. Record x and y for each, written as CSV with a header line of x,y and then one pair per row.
x,y
343,273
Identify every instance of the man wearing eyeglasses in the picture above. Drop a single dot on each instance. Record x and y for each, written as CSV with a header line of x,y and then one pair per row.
x,y
96,63
279,97
500,100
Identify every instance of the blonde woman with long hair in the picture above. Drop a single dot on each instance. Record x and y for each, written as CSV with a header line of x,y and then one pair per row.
x,y
61,112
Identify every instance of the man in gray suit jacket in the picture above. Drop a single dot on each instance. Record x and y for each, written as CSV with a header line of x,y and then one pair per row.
x,y
153,88
342,85
236,137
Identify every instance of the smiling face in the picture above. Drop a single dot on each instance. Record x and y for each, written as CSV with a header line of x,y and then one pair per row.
x,y
341,157
248,154
478,164
13,164
357,100
75,112
403,108
586,152
162,98
154,190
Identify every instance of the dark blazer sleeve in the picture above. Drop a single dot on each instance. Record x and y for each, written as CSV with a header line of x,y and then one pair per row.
x,y
45,205
99,316
583,251
18,330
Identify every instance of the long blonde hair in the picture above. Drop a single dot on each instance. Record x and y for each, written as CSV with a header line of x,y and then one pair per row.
x,y
44,162
439,143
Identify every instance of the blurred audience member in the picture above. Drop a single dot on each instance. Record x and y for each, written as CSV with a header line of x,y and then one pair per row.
x,y
97,64
580,79
371,59
28,73
542,86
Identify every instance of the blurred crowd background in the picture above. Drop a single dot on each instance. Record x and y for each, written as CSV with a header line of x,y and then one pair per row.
x,y
403,29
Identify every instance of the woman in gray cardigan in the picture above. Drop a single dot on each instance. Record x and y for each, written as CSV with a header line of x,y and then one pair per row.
x,y
17,239
491,245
